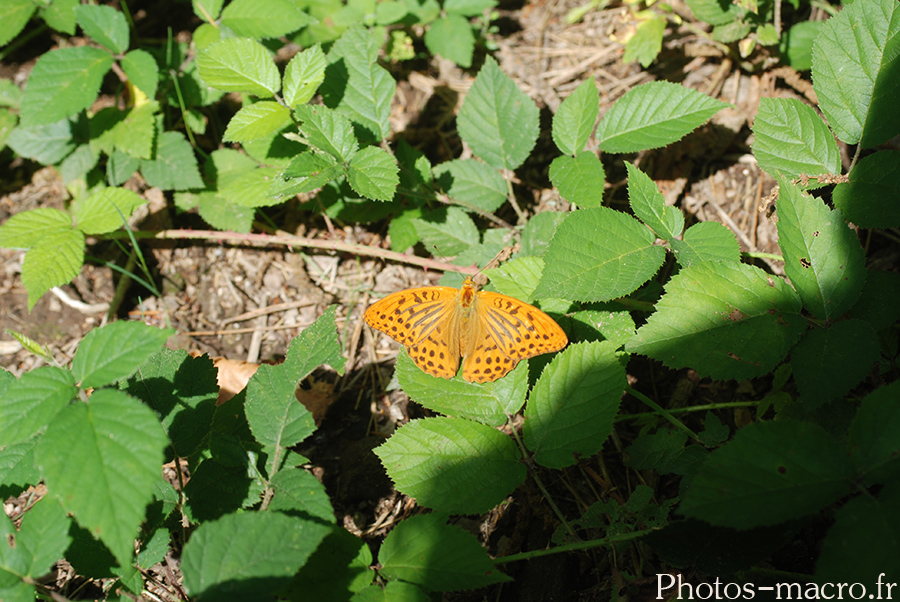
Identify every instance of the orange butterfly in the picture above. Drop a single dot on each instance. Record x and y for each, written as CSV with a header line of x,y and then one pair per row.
x,y
438,324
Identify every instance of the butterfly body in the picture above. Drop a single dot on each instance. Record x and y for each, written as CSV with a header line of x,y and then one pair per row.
x,y
439,324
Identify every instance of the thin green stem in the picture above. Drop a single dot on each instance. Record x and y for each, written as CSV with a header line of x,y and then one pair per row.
x,y
685,410
578,545
540,484
663,412
761,255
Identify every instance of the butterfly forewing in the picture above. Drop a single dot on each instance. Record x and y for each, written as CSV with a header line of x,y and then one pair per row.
x,y
410,316
520,330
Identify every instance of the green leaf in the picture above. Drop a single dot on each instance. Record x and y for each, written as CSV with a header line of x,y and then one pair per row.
x,y
17,468
115,351
317,345
186,418
451,230
10,94
657,451
26,229
208,10
239,65
497,120
298,492
251,188
62,83
598,255
593,325
426,551
822,255
706,241
402,231
875,435
452,464
46,144
648,204
653,115
372,173
42,538
517,278
303,76
869,199
131,132
102,459
55,260
715,12
328,131
30,403
573,404
791,139
863,544
357,86
247,556
60,15
174,167
580,179
8,121
771,472
222,215
855,72
269,19
14,15
574,121
876,303
56,251
539,232
142,71
451,37
78,164
472,184
217,489
104,211
120,167
337,569
276,418
645,44
307,171
829,362
488,403
469,8
797,44
257,121
725,320
105,25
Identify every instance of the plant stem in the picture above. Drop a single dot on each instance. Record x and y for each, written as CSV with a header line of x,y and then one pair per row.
x,y
762,255
540,484
709,406
578,545
663,412
298,241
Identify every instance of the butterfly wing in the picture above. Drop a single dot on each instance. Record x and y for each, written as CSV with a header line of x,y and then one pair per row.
x,y
519,330
425,320
486,362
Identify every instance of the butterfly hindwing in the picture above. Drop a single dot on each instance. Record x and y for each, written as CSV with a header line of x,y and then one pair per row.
x,y
487,361
436,354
